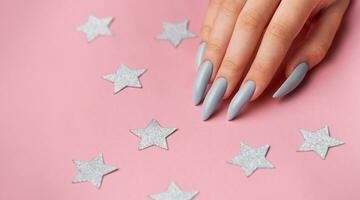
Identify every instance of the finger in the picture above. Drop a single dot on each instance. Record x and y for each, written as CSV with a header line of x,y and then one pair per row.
x,y
248,30
315,48
209,19
221,32
323,4
320,38
283,28
216,44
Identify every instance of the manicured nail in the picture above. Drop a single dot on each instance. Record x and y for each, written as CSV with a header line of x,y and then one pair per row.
x,y
201,81
213,97
240,99
292,81
199,54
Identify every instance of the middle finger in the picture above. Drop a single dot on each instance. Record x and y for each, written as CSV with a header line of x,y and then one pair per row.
x,y
248,30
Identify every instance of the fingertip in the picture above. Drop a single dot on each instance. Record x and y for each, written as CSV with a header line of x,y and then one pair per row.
x,y
254,97
227,94
257,90
288,70
233,77
292,81
230,89
294,63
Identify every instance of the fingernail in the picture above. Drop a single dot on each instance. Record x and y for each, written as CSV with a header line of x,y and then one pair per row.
x,y
201,81
199,54
292,81
240,99
213,97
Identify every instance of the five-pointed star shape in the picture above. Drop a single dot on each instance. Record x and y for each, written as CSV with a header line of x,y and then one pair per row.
x,y
251,158
125,77
95,27
152,135
175,33
174,193
318,141
92,171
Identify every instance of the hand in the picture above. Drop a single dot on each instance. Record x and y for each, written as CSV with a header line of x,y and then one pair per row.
x,y
249,39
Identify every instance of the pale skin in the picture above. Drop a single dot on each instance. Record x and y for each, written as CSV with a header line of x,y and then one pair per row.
x,y
251,39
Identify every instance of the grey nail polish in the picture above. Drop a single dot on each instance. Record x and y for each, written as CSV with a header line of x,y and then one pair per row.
x,y
240,99
199,54
213,97
292,81
201,81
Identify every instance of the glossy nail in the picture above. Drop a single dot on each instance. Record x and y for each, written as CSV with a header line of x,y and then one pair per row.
x,y
201,81
244,94
213,97
292,81
199,54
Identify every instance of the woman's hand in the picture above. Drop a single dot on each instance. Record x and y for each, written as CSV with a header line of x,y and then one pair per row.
x,y
245,42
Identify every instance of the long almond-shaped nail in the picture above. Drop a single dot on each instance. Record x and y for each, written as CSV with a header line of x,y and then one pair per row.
x,y
292,81
213,97
199,54
244,94
201,81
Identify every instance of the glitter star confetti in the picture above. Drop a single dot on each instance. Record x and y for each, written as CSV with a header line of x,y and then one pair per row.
x,y
251,159
174,193
125,77
175,33
318,141
92,171
153,135
95,27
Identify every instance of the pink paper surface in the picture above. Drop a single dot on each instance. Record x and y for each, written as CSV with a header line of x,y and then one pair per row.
x,y
55,107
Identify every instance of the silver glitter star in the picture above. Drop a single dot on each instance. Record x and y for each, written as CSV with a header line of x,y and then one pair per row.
x,y
95,27
175,33
92,171
152,135
174,193
318,141
251,159
125,77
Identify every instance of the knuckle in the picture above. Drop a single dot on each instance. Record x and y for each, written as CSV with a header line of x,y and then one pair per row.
x,y
261,68
250,19
279,31
205,31
230,67
213,47
230,8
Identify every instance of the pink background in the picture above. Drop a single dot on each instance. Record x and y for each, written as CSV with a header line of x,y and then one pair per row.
x,y
55,107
